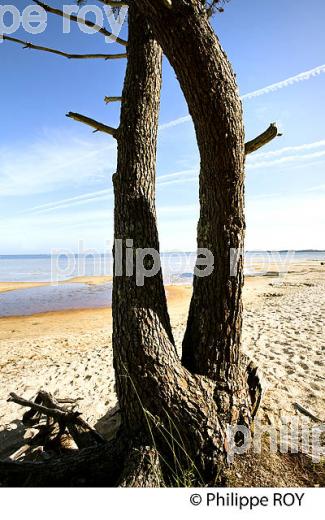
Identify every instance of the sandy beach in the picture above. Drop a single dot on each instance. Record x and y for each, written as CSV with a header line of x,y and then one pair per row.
x,y
69,353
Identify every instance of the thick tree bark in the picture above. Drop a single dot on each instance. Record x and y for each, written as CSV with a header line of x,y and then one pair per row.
x,y
142,469
212,340
160,400
137,310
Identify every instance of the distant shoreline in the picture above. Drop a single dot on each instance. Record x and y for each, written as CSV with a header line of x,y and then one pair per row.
x,y
27,298
273,271
162,253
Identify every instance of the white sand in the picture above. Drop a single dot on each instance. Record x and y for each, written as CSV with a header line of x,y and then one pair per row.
x,y
283,332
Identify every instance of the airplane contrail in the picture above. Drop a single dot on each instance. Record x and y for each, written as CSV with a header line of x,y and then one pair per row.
x,y
303,76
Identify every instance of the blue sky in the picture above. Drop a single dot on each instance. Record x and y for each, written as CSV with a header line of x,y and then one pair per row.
x,y
55,174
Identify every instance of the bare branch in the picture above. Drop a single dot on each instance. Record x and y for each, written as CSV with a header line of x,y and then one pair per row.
x,y
263,139
113,3
47,405
28,45
112,99
77,19
99,127
51,412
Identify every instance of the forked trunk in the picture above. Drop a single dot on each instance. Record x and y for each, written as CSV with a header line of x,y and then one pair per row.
x,y
161,403
211,345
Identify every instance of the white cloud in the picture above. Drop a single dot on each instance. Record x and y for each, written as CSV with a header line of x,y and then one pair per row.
x,y
191,175
186,208
54,162
72,201
320,187
180,173
181,181
179,177
175,122
286,160
283,151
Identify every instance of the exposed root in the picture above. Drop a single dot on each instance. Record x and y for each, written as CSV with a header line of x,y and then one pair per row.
x,y
99,465
142,469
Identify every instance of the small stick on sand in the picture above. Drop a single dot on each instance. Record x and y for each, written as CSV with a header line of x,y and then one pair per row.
x,y
304,411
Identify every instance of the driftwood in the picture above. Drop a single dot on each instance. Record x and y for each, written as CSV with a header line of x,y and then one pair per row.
x,y
58,427
61,448
105,463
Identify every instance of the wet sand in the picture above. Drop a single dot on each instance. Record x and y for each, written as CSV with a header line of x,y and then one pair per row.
x,y
78,321
69,353
89,280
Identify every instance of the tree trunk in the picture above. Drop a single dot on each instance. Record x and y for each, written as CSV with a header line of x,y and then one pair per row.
x,y
137,309
211,345
160,401
174,415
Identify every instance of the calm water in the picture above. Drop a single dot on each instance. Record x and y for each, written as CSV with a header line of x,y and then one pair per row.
x,y
177,268
54,298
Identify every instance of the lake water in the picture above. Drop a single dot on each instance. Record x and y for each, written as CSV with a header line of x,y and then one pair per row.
x,y
177,269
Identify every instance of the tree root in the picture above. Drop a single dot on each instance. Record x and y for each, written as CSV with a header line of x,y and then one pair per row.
x,y
142,469
186,416
95,466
